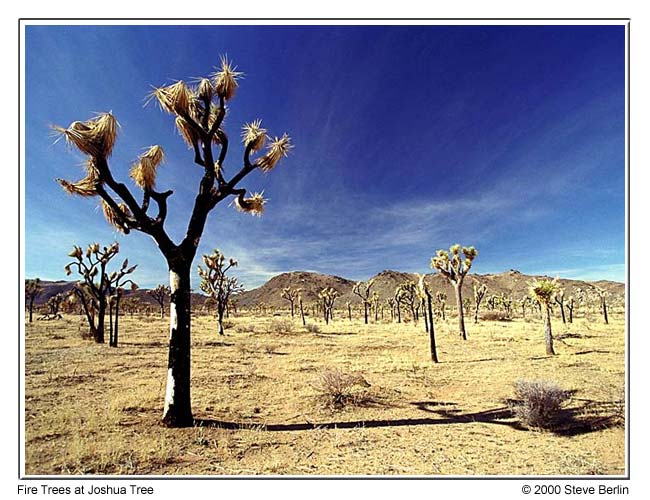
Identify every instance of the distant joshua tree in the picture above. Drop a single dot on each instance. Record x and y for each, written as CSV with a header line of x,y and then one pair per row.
x,y
199,115
348,304
53,306
425,294
559,300
407,294
454,267
94,289
302,310
33,289
479,294
390,302
570,305
362,290
441,303
160,294
327,297
524,303
290,294
543,291
505,302
375,305
115,291
216,284
603,295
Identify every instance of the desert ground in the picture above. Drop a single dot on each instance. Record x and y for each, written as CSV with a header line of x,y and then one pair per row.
x,y
259,405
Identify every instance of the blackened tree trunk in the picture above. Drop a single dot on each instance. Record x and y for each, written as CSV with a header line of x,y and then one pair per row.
x,y
399,314
604,304
548,334
110,324
350,312
178,406
432,337
365,313
302,312
426,319
31,308
99,329
458,287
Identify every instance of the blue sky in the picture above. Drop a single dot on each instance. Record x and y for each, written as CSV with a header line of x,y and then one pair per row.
x,y
407,139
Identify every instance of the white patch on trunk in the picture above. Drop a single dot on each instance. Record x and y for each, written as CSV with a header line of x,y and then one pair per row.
x,y
174,284
169,393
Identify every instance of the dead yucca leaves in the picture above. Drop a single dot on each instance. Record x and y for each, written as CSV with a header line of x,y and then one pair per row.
x,y
225,80
112,217
254,135
278,149
143,172
253,205
94,137
86,187
174,99
337,389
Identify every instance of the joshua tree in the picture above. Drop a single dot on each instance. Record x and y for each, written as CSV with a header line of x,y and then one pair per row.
x,y
603,295
216,284
375,305
425,294
348,304
302,311
455,268
199,113
96,282
290,294
159,294
570,305
327,297
559,300
53,306
543,291
115,291
362,290
407,294
441,301
32,290
398,297
390,302
524,303
505,301
479,294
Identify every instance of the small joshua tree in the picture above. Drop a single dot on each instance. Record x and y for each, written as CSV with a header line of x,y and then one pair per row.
x,y
348,304
53,306
441,303
479,295
362,290
559,300
96,283
327,297
290,294
32,290
424,293
375,305
390,302
160,294
199,114
454,267
543,291
603,295
115,291
524,303
570,306
302,310
407,294
216,284
505,302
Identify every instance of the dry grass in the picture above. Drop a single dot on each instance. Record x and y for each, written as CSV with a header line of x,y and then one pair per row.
x,y
95,409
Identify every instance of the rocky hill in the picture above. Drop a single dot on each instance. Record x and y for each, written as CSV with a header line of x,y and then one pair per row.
x,y
510,282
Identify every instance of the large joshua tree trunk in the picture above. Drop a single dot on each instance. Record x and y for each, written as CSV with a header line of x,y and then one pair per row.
x,y
548,334
220,311
99,329
432,337
178,407
604,304
458,288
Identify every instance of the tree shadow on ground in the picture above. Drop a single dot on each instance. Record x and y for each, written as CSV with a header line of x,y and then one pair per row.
x,y
584,418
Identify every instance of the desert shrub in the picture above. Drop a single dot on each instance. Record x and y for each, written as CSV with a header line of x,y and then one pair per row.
x,y
246,328
495,316
278,325
337,389
270,348
227,325
538,403
312,328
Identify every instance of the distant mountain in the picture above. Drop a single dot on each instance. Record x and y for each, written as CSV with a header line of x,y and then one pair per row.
x,y
510,282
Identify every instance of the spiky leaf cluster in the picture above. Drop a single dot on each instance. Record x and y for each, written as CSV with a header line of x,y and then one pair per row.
x,y
454,264
543,290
